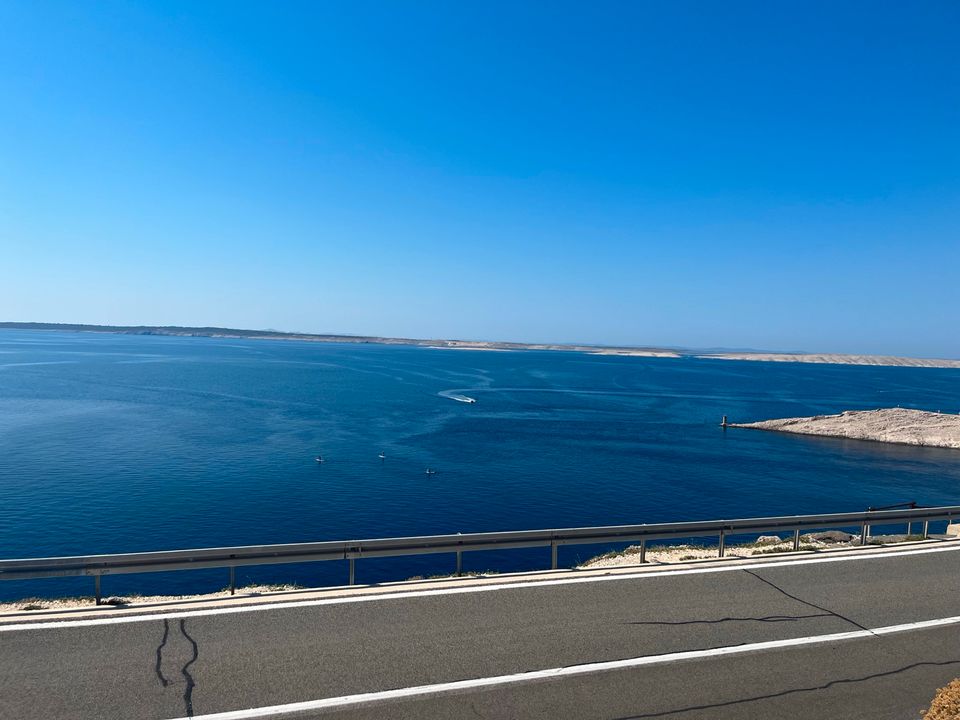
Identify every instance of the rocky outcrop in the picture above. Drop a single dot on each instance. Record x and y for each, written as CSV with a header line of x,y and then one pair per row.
x,y
891,425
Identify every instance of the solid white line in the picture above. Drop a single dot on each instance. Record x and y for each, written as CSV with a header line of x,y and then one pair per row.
x,y
553,673
518,585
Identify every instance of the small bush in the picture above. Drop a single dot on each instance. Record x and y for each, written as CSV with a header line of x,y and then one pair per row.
x,y
606,556
946,703
257,589
466,573
782,549
271,587
632,550
454,576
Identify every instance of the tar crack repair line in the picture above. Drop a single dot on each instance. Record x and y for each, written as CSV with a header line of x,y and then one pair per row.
x,y
166,633
188,691
808,604
794,691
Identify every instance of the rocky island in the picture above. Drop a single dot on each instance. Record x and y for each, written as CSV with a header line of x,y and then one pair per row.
x,y
891,425
836,359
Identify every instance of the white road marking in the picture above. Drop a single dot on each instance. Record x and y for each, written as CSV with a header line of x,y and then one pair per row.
x,y
554,673
517,585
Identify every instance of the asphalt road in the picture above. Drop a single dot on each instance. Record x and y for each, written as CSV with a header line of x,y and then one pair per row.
x,y
183,665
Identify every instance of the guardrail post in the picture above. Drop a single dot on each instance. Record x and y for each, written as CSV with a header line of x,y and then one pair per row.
x,y
98,566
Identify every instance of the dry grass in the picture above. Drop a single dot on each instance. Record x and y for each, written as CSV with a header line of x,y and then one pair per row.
x,y
784,548
70,603
946,704
454,576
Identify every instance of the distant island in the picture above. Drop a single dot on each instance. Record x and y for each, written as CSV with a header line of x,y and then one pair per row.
x,y
890,425
835,359
218,332
493,345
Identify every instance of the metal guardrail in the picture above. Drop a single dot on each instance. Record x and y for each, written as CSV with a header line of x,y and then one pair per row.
x,y
351,550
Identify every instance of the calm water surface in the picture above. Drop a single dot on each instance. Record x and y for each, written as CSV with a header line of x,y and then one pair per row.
x,y
113,443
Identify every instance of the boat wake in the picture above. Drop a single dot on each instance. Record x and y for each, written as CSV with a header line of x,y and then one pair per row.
x,y
450,394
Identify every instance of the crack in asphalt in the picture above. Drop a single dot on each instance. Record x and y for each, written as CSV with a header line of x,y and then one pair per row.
x,y
185,670
188,691
765,619
166,633
813,688
810,604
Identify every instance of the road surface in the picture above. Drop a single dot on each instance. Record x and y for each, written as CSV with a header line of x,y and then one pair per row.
x,y
864,634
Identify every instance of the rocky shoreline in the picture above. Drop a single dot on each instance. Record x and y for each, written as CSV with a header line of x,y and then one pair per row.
x,y
837,359
890,425
764,545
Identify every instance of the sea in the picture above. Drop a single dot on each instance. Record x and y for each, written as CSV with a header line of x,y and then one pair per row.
x,y
118,443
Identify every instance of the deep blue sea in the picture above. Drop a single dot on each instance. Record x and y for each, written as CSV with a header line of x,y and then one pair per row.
x,y
115,443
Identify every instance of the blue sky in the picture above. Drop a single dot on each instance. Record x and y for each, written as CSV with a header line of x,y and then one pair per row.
x,y
743,174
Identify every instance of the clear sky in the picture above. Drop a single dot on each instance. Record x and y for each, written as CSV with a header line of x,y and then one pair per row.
x,y
777,175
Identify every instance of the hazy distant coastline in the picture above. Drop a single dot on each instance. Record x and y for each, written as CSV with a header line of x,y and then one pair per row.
x,y
217,332
610,350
